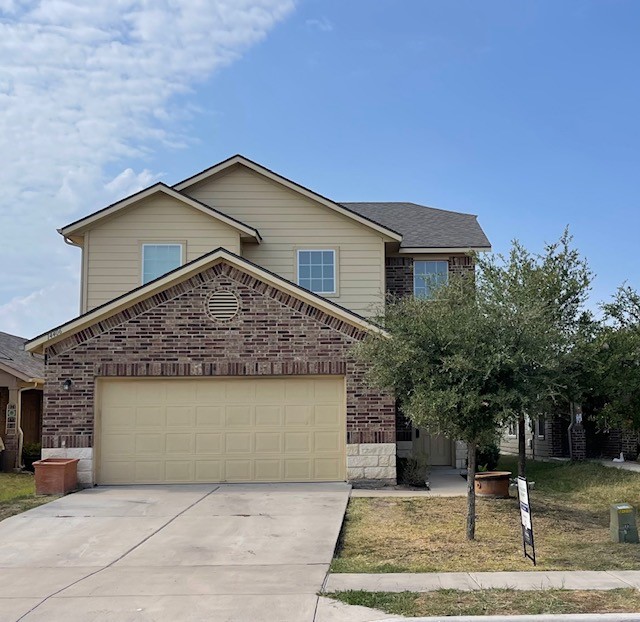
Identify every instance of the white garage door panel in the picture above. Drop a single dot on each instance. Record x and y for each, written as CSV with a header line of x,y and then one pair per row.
x,y
215,430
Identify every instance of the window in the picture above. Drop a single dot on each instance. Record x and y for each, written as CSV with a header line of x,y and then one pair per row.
x,y
540,425
317,270
513,428
428,276
158,259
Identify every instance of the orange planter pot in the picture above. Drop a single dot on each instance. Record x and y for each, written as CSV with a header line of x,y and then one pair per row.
x,y
56,476
493,484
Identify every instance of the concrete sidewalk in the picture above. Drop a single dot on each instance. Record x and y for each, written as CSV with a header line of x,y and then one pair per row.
x,y
467,581
330,610
445,482
624,466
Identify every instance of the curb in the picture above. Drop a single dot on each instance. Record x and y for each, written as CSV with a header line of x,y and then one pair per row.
x,y
570,617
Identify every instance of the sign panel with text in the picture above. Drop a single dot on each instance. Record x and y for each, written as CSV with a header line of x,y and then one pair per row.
x,y
528,543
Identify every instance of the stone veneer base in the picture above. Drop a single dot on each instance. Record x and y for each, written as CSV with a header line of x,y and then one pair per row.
x,y
371,464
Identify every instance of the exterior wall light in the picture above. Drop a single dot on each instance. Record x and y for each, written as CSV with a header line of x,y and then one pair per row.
x,y
66,385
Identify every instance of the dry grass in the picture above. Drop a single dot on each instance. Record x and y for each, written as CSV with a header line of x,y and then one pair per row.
x,y
17,494
570,517
495,602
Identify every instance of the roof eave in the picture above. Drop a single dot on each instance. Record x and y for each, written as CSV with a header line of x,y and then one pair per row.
x,y
413,250
18,374
292,185
80,226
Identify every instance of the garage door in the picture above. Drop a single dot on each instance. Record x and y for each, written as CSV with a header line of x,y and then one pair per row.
x,y
221,430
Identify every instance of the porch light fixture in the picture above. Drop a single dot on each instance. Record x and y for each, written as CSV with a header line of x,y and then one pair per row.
x,y
66,385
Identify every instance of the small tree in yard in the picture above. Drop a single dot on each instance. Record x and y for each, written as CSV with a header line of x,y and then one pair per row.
x,y
541,297
443,366
474,355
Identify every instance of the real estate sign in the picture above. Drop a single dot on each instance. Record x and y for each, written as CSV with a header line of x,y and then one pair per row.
x,y
528,544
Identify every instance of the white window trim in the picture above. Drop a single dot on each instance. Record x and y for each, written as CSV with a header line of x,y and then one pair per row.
x,y
544,434
426,261
182,246
303,249
509,434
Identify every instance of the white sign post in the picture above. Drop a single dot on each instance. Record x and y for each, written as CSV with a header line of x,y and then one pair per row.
x,y
525,519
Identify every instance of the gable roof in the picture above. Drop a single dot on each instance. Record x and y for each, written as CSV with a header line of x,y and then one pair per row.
x,y
16,361
427,227
343,209
83,223
184,272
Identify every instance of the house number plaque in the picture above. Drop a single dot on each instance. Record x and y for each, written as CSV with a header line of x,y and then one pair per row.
x,y
11,417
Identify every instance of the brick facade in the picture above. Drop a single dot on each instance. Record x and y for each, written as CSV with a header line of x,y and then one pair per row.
x,y
399,276
399,272
170,334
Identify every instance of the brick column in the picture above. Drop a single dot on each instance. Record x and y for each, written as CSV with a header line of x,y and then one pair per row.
x,y
553,428
629,445
9,431
578,442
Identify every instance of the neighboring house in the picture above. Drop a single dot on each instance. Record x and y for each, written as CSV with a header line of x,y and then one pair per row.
x,y
217,321
21,382
546,437
552,436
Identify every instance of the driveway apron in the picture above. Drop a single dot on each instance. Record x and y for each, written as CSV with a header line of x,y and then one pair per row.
x,y
243,552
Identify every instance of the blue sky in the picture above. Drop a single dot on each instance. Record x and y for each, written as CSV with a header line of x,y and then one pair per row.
x,y
525,113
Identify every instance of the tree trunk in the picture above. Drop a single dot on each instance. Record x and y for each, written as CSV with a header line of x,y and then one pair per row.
x,y
522,446
471,490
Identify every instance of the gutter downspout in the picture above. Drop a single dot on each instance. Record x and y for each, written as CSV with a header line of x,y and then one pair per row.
x,y
69,241
19,422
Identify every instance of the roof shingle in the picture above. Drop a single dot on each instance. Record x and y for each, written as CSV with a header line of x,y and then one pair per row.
x,y
14,356
425,227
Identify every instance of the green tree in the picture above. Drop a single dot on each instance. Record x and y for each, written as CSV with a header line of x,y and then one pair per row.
x,y
541,298
616,379
479,352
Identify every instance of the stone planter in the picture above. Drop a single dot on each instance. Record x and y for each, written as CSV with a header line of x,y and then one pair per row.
x,y
494,484
56,476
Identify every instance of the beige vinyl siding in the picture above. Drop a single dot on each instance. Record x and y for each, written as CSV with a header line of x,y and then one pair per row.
x,y
288,221
114,261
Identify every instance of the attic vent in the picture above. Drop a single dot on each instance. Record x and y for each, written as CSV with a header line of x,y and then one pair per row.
x,y
222,305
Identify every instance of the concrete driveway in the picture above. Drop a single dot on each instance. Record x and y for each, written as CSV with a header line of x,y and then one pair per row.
x,y
201,552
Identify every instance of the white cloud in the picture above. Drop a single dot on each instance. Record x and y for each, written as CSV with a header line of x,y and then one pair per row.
x,y
85,88
322,24
46,307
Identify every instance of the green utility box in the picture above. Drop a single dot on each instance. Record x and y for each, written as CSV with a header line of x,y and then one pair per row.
x,y
623,523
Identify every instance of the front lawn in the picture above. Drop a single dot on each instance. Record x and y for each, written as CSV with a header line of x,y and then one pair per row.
x,y
570,506
495,602
17,494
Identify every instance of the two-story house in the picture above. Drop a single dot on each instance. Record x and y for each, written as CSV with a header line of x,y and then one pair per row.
x,y
217,321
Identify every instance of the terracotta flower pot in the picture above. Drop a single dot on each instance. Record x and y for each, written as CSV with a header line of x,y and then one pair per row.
x,y
56,476
493,484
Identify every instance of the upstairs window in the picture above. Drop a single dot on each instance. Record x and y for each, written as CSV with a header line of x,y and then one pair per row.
x,y
158,259
317,270
428,276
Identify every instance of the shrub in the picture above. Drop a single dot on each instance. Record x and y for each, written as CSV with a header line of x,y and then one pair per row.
x,y
413,471
487,458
